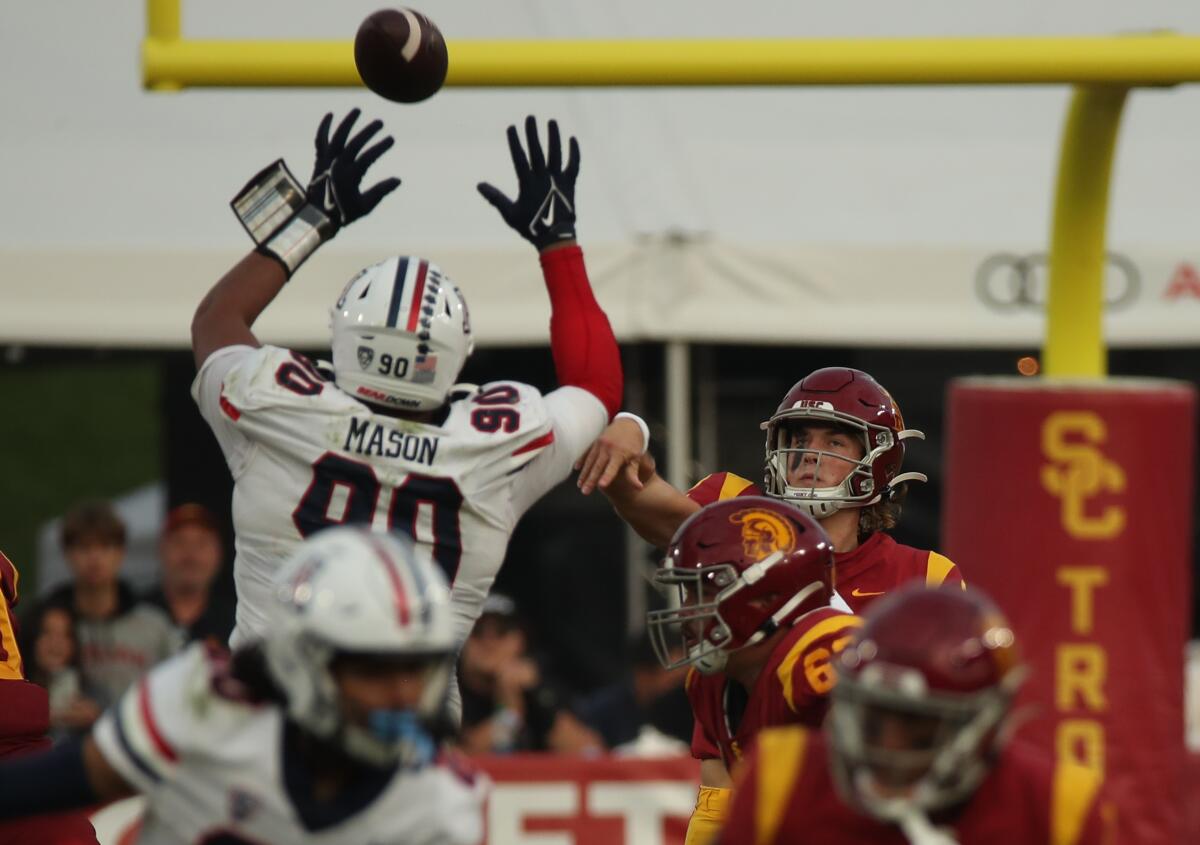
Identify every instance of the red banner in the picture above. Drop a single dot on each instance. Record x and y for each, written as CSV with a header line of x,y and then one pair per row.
x,y
544,799
1072,506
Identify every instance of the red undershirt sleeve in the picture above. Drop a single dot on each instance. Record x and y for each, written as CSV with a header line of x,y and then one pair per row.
x,y
581,340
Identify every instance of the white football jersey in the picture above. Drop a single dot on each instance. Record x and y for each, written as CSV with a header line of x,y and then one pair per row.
x,y
215,769
305,455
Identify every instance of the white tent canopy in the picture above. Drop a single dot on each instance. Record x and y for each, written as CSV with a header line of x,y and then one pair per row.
x,y
655,290
736,215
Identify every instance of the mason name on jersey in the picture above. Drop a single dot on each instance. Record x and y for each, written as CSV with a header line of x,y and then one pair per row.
x,y
367,437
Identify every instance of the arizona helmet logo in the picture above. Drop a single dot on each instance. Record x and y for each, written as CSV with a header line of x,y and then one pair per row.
x,y
764,533
365,356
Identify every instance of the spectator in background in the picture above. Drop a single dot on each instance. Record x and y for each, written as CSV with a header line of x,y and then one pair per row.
x,y
119,637
191,552
508,705
55,666
646,712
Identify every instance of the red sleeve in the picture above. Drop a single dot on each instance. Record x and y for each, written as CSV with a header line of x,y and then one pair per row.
x,y
582,342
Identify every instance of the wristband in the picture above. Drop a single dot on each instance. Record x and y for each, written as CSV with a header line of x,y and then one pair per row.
x,y
299,238
641,423
268,201
275,212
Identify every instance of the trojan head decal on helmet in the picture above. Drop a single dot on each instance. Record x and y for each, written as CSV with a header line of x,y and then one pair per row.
x,y
743,568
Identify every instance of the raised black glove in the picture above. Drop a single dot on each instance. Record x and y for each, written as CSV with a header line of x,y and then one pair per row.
x,y
288,222
341,164
544,211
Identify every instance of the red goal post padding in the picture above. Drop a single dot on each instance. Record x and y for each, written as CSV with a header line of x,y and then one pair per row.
x,y
1071,504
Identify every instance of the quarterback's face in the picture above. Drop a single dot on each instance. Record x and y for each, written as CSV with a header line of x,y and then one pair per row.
x,y
367,683
842,448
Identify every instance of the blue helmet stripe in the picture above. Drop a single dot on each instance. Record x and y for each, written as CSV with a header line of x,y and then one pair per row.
x,y
397,292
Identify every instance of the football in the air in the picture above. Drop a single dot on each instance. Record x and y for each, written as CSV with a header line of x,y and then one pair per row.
x,y
401,55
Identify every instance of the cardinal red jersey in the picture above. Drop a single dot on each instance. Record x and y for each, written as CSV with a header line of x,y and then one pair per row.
x,y
24,720
24,707
877,566
880,565
793,687
786,795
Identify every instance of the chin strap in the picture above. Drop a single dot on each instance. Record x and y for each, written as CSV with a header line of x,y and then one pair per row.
x,y
918,830
772,625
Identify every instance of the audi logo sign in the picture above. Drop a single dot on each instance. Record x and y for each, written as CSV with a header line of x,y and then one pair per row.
x,y
1007,281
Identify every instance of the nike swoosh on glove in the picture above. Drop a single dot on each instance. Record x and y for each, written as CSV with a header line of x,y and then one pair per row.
x,y
543,212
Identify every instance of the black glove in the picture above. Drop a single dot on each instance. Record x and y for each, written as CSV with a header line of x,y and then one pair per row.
x,y
544,211
287,221
336,186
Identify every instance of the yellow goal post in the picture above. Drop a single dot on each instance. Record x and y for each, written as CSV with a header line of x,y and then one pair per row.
x,y
1102,69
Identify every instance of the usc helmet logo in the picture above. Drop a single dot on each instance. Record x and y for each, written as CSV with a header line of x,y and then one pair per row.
x,y
764,533
1080,471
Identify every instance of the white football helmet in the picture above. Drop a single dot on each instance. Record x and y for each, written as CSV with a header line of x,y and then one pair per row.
x,y
401,334
348,590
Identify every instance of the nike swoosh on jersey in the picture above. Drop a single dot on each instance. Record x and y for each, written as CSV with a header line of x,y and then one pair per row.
x,y
858,594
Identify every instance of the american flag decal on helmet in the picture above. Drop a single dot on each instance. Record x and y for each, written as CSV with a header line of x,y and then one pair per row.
x,y
424,369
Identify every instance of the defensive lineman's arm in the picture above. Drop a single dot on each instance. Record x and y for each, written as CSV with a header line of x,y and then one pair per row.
x,y
581,340
288,222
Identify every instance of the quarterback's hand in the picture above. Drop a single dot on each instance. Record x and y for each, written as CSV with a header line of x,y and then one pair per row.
x,y
341,163
544,211
618,450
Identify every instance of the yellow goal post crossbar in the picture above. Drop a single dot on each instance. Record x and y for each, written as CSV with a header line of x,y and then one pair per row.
x,y
1102,68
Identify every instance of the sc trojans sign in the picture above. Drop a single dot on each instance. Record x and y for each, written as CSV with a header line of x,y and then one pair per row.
x,y
1071,504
